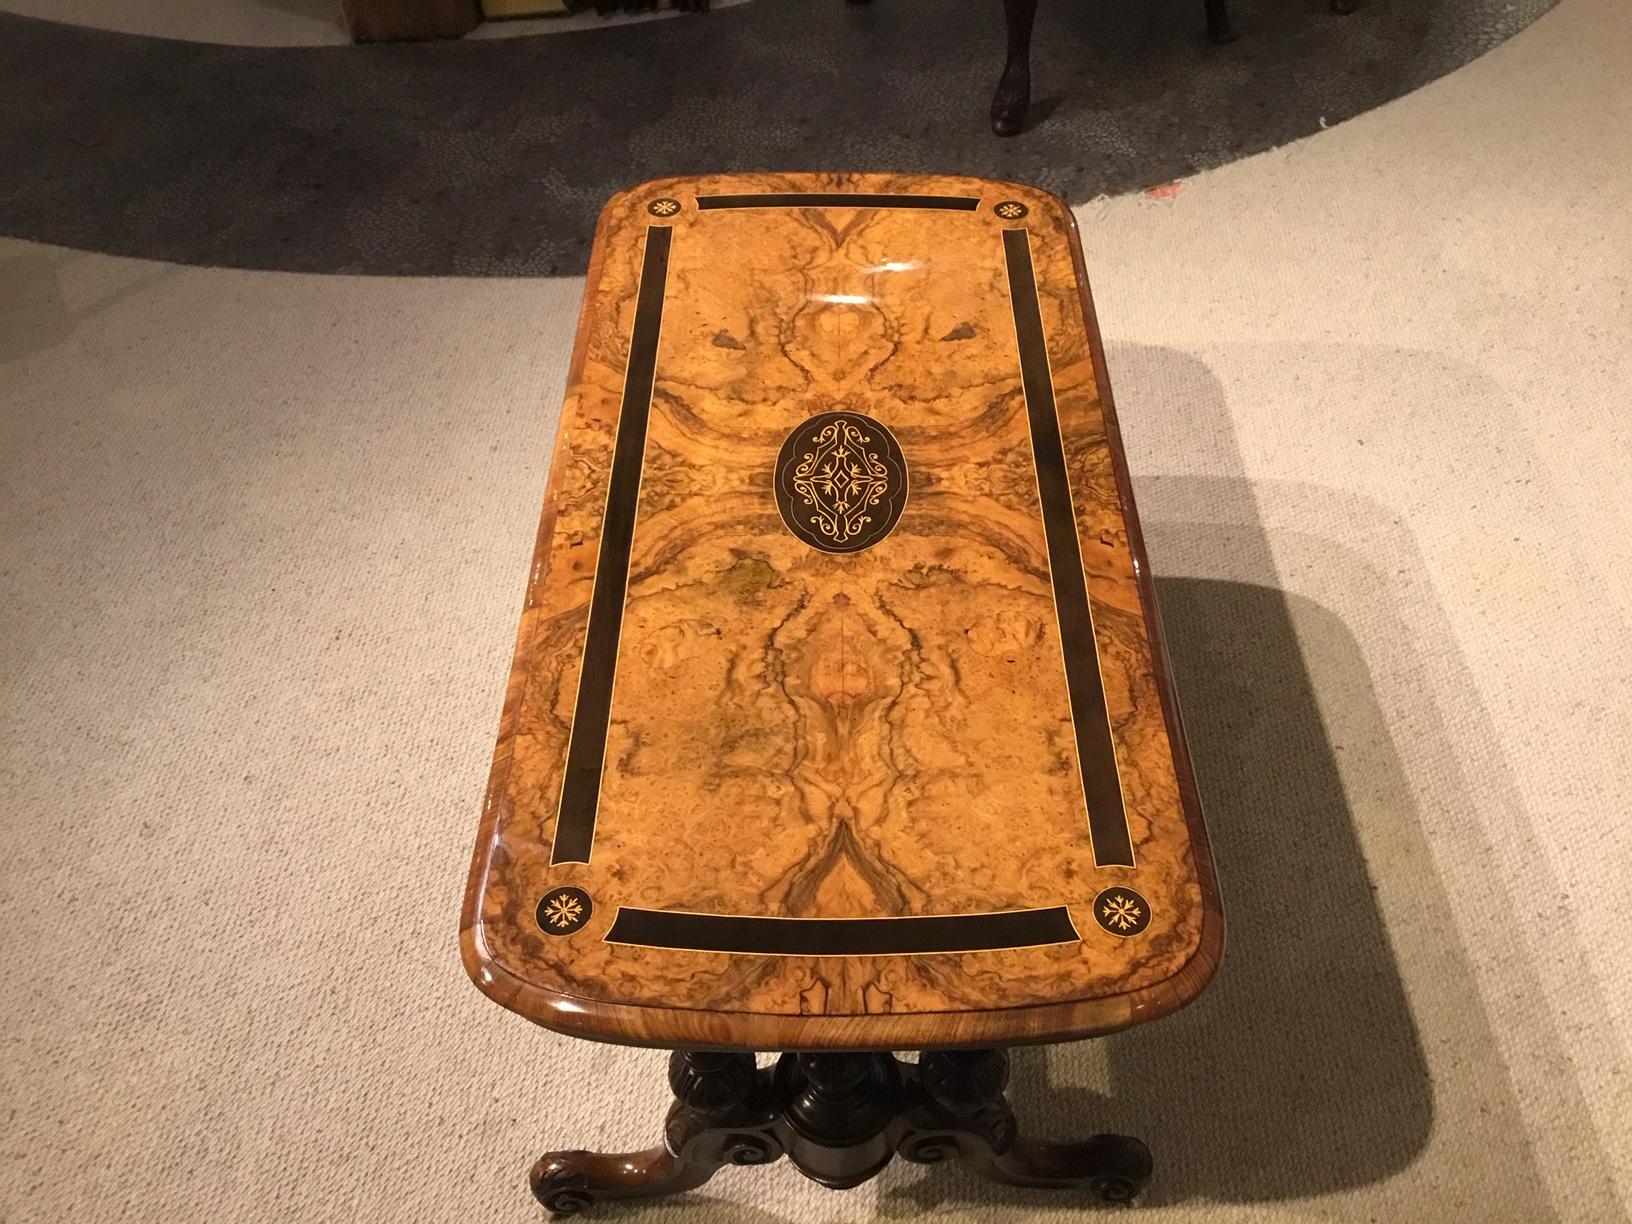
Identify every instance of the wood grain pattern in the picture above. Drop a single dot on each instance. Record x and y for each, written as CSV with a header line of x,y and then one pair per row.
x,y
798,734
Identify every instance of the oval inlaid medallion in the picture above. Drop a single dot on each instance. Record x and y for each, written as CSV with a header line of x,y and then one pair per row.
x,y
841,482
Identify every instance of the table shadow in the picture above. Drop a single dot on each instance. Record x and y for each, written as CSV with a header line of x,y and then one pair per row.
x,y
1299,1071
1303,1070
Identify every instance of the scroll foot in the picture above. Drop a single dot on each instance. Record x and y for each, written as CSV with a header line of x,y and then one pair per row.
x,y
723,1115
961,1113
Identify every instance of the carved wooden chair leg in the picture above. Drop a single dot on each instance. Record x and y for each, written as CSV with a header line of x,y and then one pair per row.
x,y
1219,28
961,1111
1013,96
723,1115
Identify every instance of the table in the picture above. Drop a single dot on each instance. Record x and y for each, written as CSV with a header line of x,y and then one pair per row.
x,y
840,720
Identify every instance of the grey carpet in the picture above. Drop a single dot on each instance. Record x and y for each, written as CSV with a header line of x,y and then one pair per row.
x,y
492,157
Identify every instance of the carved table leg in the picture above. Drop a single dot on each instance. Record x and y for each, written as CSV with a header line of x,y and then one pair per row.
x,y
723,1115
840,1115
960,1110
840,1118
1013,96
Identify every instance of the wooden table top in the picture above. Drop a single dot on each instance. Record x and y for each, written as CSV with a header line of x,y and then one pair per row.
x,y
839,715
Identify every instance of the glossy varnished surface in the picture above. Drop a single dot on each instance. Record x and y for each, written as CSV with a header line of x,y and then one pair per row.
x,y
863,776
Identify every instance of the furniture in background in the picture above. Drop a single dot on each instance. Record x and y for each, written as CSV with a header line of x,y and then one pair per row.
x,y
393,20
1013,97
839,721
377,20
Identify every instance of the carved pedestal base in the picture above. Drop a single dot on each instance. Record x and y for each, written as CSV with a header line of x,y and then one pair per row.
x,y
840,1118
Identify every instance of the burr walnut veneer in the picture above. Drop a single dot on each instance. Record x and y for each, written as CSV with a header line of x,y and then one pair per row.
x,y
839,718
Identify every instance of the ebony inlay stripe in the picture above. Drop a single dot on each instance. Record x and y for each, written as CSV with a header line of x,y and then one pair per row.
x,y
838,199
755,936
586,751
1096,754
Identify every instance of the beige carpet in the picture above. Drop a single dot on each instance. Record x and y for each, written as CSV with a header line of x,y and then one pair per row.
x,y
263,544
